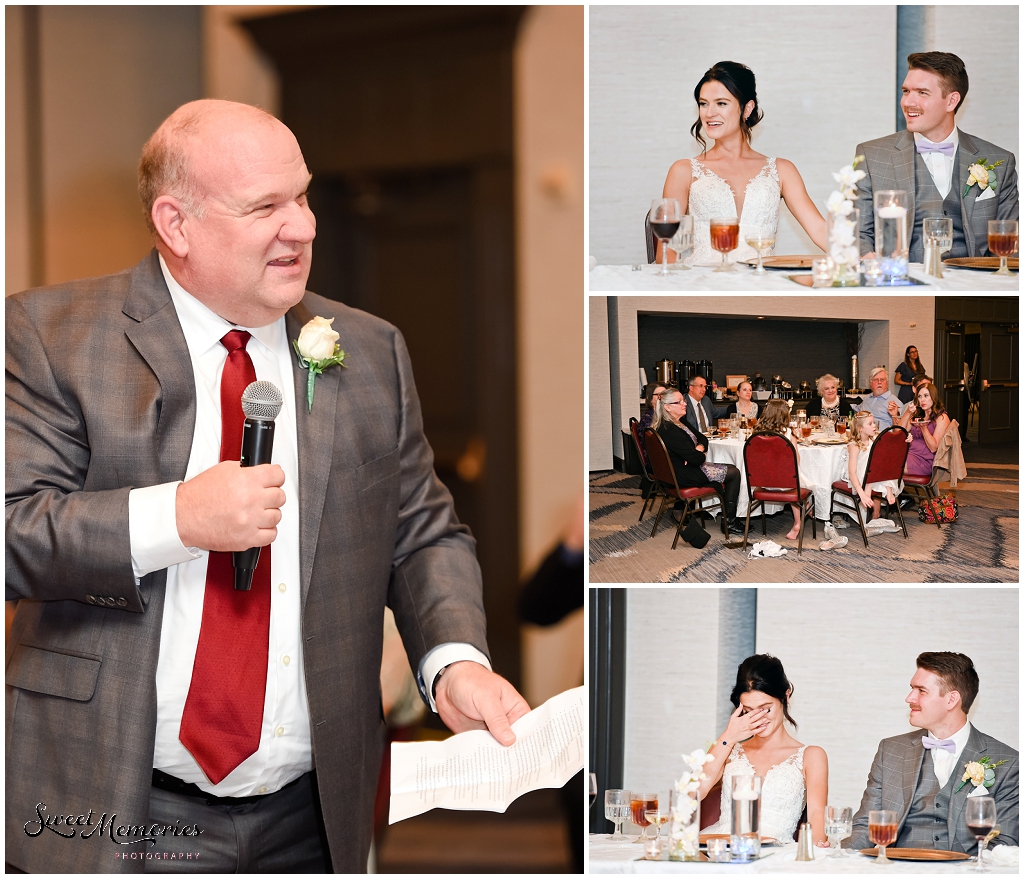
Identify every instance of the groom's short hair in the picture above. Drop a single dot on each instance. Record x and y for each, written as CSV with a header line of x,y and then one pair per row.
x,y
947,67
956,671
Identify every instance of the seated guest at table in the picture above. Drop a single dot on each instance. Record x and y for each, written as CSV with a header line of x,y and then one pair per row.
x,y
882,404
922,778
926,431
922,380
829,404
906,373
688,450
744,406
776,420
701,414
757,742
862,435
727,110
651,394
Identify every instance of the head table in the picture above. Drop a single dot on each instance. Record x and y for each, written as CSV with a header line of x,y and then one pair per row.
x,y
620,279
622,857
820,465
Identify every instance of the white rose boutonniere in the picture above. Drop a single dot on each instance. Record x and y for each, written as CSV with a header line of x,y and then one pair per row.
x,y
983,174
317,348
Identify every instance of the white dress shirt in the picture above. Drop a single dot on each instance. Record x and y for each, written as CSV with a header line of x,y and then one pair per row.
x,y
285,750
699,415
939,165
943,762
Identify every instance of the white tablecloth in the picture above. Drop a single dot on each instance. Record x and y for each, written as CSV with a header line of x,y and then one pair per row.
x,y
820,466
622,857
611,279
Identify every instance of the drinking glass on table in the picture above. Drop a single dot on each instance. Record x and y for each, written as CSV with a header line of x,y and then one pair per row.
x,y
838,826
665,219
762,240
725,237
723,428
891,234
682,243
638,805
616,810
593,788
840,426
657,812
882,831
980,815
938,237
1002,241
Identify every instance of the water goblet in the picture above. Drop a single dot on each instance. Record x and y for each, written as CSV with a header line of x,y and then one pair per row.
x,y
593,788
682,243
665,219
1002,241
882,831
638,805
838,826
980,815
725,237
762,240
616,810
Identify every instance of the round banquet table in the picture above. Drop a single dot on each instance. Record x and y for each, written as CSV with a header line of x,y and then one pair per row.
x,y
620,279
623,857
820,466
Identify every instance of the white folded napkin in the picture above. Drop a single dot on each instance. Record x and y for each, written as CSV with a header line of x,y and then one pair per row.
x,y
1003,856
766,549
884,526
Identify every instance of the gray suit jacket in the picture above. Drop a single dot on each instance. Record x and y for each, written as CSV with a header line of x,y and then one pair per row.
x,y
889,164
101,399
711,412
897,767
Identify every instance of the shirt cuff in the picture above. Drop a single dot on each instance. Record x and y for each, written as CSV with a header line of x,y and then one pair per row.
x,y
153,530
441,656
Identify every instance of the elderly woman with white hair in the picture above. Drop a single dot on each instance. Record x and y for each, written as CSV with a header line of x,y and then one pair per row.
x,y
830,403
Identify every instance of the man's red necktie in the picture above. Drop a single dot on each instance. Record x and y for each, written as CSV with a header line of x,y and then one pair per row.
x,y
223,715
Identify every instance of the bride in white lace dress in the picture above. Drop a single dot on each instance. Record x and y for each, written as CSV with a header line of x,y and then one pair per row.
x,y
731,179
756,742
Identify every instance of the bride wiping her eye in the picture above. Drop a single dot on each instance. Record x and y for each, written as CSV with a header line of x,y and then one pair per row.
x,y
731,179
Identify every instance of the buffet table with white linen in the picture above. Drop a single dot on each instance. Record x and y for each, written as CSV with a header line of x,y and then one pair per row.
x,y
612,279
820,466
624,857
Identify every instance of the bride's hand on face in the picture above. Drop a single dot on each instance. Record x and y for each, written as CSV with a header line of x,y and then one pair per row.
x,y
744,726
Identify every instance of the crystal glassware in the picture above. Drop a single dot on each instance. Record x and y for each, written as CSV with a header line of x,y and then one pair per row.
x,y
665,220
657,812
638,805
838,826
1002,241
891,239
593,788
682,243
980,815
762,241
882,831
616,810
745,827
725,237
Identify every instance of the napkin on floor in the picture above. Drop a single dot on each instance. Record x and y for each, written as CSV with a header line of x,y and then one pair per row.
x,y
766,549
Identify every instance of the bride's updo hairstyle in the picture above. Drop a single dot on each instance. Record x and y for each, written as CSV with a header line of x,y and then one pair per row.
x,y
764,674
739,80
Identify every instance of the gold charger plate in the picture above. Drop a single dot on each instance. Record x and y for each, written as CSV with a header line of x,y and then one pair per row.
x,y
980,262
790,261
917,854
826,440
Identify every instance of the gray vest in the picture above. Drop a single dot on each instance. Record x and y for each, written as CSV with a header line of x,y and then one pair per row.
x,y
926,826
928,203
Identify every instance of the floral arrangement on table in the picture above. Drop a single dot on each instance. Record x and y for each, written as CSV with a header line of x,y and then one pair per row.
x,y
981,772
983,174
684,837
843,248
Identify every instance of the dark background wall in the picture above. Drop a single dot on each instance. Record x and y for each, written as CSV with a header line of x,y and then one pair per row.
x,y
798,350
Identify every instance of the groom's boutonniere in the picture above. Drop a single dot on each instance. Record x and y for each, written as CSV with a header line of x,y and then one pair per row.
x,y
982,772
317,349
983,174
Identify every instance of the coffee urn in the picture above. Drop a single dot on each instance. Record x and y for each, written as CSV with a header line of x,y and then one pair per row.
x,y
684,372
704,368
665,370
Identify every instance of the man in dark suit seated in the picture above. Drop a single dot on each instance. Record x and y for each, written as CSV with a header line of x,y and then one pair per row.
x,y
701,414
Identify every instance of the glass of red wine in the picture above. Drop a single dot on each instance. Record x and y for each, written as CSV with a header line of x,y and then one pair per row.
x,y
882,831
1002,241
725,236
665,218
980,815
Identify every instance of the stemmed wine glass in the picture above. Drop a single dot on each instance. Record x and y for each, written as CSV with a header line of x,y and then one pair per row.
x,y
657,811
682,243
1002,241
593,789
838,826
725,236
665,218
638,806
882,831
616,810
980,815
762,241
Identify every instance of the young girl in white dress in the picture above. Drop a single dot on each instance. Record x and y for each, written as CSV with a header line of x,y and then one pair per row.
x,y
756,742
862,436
731,179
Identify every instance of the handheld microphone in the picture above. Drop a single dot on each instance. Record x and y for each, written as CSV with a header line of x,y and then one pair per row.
x,y
261,403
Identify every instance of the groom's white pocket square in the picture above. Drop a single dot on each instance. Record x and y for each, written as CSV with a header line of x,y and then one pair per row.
x,y
978,790
988,193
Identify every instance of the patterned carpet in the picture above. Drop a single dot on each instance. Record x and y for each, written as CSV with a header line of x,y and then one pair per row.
x,y
980,547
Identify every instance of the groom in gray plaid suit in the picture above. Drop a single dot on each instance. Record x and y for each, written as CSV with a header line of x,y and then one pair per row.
x,y
931,161
922,778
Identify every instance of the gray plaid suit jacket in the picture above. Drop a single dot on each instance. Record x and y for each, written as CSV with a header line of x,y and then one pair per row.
x,y
889,164
101,399
893,780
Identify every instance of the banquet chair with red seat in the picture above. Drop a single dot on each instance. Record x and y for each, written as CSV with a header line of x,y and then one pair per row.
x,y
886,460
665,473
773,477
653,486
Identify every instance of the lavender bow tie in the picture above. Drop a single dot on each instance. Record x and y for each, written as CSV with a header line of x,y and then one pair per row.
x,y
947,149
944,744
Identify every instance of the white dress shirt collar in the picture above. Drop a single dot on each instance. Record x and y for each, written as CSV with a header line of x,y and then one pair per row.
x,y
940,166
943,762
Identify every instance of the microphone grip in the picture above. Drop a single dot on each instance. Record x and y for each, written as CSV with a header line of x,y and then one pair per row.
x,y
257,448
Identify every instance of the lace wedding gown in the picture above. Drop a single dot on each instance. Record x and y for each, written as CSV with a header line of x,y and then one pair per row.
x,y
783,794
711,196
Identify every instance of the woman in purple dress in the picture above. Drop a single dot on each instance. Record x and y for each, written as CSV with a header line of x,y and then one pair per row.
x,y
930,423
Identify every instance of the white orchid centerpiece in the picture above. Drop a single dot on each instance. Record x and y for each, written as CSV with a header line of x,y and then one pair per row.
x,y
843,250
685,834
